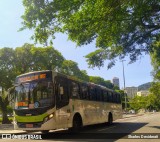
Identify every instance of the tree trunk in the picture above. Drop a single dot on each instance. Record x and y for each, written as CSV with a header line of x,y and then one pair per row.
x,y
5,119
4,103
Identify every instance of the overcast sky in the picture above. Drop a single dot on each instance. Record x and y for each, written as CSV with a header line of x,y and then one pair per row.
x,y
10,22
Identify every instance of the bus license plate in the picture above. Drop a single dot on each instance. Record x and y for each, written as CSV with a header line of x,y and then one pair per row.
x,y
29,125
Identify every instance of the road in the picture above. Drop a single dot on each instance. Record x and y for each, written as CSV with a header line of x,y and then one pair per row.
x,y
126,129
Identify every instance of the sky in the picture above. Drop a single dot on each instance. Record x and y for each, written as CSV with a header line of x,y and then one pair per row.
x,y
10,22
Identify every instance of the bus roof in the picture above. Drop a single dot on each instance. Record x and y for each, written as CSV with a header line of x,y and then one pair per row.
x,y
69,77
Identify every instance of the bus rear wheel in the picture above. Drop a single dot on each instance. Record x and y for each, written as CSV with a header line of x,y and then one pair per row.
x,y
110,119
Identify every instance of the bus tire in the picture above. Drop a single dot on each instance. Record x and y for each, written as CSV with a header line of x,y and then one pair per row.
x,y
110,119
44,131
76,124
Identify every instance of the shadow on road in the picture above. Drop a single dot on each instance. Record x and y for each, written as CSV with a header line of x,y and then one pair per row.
x,y
99,131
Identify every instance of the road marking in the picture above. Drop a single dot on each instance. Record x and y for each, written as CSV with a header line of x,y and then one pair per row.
x,y
107,128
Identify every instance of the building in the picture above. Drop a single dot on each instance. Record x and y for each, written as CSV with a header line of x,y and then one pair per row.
x,y
115,81
131,91
143,93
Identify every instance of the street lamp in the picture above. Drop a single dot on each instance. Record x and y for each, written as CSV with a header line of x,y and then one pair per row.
x,y
124,84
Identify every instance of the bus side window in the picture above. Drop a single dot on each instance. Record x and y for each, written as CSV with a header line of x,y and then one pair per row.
x,y
99,95
105,94
84,91
75,91
118,99
110,97
61,91
114,97
102,95
93,94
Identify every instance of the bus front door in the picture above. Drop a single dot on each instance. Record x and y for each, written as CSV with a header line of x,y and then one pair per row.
x,y
62,107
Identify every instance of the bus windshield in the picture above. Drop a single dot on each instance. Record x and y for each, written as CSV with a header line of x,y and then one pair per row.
x,y
34,95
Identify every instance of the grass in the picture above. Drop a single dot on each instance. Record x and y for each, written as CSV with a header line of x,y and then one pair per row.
x,y
10,118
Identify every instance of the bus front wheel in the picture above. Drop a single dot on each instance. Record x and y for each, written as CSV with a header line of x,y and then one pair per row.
x,y
44,131
77,124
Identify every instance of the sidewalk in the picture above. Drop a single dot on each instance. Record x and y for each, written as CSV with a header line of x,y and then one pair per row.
x,y
12,132
132,115
6,127
9,129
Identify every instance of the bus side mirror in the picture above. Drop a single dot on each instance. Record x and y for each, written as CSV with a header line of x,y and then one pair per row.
x,y
61,91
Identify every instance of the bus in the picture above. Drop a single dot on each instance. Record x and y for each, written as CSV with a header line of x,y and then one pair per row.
x,y
48,100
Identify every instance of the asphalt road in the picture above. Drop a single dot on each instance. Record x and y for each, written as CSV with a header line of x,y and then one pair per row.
x,y
127,129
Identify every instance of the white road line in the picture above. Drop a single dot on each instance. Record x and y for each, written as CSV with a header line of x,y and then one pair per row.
x,y
106,128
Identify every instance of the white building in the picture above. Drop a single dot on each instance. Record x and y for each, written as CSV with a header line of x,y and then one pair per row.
x,y
143,93
131,91
115,81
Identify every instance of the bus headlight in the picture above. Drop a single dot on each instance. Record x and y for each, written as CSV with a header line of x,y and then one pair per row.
x,y
48,117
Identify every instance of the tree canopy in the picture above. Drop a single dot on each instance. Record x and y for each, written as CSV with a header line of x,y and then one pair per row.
x,y
25,59
119,27
101,81
155,60
30,58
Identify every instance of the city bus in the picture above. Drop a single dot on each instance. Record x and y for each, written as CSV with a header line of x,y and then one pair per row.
x,y
48,100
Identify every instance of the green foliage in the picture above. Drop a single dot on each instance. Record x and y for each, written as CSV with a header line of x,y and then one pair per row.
x,y
25,59
150,102
7,68
139,102
155,95
38,58
30,58
4,102
9,110
10,119
155,58
71,68
101,81
116,88
119,28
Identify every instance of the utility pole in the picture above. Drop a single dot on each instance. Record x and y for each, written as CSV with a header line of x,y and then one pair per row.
x,y
125,97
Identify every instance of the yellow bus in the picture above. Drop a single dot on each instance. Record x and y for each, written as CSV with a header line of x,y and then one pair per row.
x,y
47,100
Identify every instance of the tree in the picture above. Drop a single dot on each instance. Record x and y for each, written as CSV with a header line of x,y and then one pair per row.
x,y
116,88
101,81
97,80
155,59
155,95
4,102
38,58
124,98
71,68
119,27
7,67
139,102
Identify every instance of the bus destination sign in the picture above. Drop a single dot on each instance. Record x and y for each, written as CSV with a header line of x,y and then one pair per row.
x,y
32,77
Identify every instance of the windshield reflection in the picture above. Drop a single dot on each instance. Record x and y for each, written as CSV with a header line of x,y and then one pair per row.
x,y
34,95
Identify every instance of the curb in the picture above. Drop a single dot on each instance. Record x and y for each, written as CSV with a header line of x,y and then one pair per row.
x,y
12,132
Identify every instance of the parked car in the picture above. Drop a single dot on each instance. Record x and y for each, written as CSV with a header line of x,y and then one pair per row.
x,y
132,111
